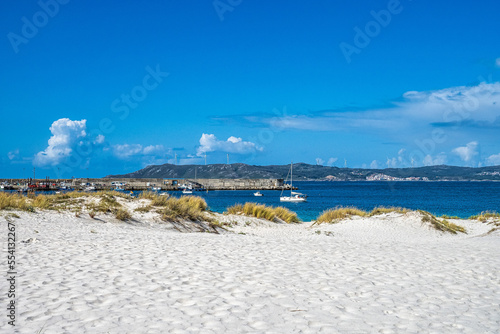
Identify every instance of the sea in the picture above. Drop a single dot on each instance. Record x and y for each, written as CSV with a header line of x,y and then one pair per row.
x,y
461,199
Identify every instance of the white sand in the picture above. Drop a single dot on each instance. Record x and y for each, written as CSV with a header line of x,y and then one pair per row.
x,y
387,274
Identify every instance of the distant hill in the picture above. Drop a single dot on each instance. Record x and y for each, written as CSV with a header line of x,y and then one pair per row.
x,y
302,171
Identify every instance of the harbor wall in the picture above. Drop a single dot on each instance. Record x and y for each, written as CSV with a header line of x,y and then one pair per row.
x,y
147,183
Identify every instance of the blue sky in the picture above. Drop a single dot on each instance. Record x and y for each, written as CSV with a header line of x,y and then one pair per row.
x,y
95,88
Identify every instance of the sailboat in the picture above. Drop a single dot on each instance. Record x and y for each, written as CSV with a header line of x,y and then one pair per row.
x,y
294,196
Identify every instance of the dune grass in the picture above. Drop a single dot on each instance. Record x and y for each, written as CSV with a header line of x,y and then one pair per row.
x,y
106,201
171,209
122,214
441,225
381,210
262,211
144,208
335,215
185,208
486,215
449,217
9,201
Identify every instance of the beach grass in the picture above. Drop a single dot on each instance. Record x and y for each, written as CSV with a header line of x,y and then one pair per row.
x,y
185,208
486,215
262,211
335,215
106,201
144,208
441,225
381,210
122,214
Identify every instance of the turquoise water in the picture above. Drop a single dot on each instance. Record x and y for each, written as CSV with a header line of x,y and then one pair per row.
x,y
461,199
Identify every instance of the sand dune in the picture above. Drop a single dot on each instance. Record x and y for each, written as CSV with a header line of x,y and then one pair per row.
x,y
387,274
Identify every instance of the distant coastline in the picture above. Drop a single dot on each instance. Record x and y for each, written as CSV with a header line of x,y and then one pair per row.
x,y
306,172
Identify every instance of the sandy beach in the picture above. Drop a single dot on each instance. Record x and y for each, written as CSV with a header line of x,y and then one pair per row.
x,y
387,274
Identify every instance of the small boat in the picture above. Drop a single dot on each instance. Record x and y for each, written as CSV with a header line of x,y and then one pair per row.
x,y
258,194
155,188
294,196
187,191
89,188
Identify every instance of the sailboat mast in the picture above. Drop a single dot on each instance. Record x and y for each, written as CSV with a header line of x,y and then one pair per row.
x,y
291,179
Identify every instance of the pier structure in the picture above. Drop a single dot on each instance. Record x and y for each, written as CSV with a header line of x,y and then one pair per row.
x,y
133,184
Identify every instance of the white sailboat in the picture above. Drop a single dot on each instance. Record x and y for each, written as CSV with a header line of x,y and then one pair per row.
x,y
294,196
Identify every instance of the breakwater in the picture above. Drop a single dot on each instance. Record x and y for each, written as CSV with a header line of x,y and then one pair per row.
x,y
142,184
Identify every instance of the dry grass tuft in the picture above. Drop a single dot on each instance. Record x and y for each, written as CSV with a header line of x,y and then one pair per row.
x,y
449,217
122,214
381,210
148,195
441,225
332,216
485,215
236,209
10,201
266,212
185,208
144,209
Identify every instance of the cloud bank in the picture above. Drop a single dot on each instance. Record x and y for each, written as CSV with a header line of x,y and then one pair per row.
x,y
468,152
210,143
125,151
67,135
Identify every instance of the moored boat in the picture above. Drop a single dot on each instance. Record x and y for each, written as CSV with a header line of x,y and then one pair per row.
x,y
294,196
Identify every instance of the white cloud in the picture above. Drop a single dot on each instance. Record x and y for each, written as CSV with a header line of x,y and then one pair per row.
x,y
124,151
210,143
154,149
440,159
467,152
374,164
331,161
66,136
392,163
13,154
99,139
320,161
480,104
399,161
493,159
153,152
